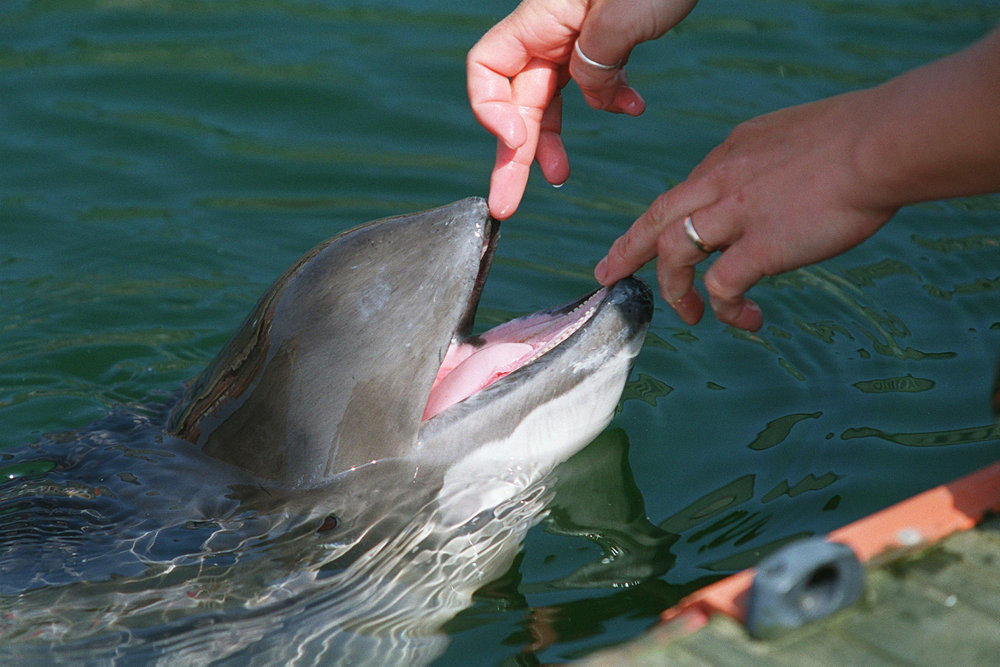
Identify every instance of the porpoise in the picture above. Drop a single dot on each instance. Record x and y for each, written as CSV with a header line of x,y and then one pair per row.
x,y
336,484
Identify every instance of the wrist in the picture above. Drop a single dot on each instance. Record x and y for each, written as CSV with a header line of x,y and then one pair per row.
x,y
934,132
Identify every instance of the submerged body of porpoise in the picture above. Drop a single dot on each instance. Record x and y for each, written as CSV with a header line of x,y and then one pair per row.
x,y
337,483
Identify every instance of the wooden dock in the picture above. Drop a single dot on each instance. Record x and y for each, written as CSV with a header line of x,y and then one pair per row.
x,y
937,603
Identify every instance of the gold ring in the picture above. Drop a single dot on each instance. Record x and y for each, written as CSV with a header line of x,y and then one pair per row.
x,y
693,236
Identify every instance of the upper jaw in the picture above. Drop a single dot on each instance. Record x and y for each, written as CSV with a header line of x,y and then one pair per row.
x,y
490,232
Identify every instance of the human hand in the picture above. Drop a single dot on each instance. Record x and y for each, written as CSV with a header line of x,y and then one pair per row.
x,y
515,73
803,184
782,191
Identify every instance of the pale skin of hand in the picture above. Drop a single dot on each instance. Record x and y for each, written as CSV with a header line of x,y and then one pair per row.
x,y
805,183
515,73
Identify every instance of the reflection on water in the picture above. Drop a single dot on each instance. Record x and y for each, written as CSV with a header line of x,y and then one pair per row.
x,y
960,436
120,542
778,430
900,384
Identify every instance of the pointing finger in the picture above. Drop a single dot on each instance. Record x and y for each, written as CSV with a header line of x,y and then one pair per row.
x,y
642,241
629,251
490,67
531,92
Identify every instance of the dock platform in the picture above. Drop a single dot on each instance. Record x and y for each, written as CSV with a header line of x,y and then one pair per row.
x,y
934,602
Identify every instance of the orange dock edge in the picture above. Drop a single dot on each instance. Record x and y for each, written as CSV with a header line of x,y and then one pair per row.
x,y
915,522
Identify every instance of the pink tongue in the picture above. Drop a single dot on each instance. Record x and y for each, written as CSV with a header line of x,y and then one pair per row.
x,y
478,370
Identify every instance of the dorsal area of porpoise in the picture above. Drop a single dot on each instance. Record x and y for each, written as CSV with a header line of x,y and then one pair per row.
x,y
287,503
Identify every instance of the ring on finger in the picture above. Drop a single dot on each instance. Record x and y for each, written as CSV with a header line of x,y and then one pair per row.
x,y
693,236
592,62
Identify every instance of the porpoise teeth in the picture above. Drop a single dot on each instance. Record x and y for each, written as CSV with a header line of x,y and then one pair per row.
x,y
590,307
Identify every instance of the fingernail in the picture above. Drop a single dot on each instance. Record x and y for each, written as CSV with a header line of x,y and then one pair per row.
x,y
749,318
752,316
498,210
510,137
601,270
690,307
558,185
635,106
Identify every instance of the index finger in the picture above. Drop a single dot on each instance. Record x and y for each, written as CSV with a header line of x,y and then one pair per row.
x,y
490,66
532,91
638,244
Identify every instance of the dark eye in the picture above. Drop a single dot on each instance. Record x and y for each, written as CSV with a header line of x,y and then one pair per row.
x,y
329,523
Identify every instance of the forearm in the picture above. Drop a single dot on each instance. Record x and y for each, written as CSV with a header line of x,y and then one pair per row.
x,y
934,132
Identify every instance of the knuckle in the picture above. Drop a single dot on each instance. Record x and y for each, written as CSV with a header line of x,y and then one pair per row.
x,y
719,289
665,246
623,247
630,241
658,209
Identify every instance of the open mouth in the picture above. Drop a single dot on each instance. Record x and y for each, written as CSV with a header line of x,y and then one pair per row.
x,y
473,363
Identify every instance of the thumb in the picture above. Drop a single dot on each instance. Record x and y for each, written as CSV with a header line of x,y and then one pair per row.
x,y
611,29
602,79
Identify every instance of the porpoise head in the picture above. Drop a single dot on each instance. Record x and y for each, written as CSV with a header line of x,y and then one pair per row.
x,y
363,351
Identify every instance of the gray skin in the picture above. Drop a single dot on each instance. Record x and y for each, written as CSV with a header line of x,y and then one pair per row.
x,y
332,368
303,508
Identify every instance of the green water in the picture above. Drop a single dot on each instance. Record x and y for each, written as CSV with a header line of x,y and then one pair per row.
x,y
163,161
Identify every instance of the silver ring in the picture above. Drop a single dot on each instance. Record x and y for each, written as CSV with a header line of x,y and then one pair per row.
x,y
594,63
692,235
